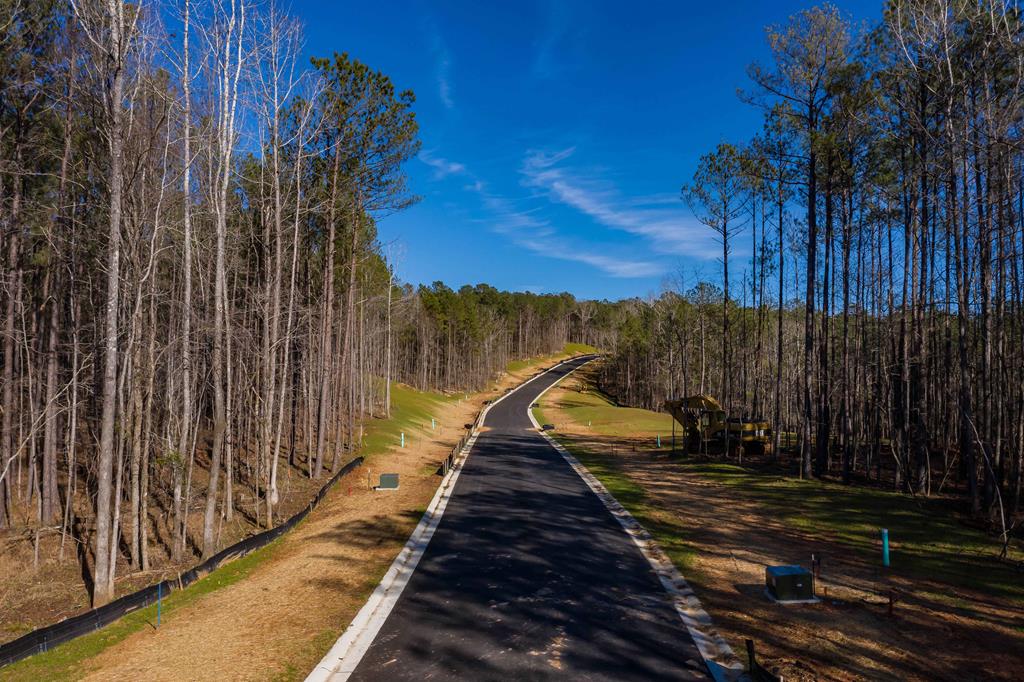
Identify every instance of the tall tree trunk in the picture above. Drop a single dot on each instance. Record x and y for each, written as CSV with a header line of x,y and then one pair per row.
x,y
104,570
327,317
812,256
228,95
186,427
824,435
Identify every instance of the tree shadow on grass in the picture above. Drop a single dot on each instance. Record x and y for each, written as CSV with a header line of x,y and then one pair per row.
x,y
742,515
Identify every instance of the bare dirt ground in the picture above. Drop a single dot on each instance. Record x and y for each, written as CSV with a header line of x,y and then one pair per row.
x,y
280,620
40,587
937,631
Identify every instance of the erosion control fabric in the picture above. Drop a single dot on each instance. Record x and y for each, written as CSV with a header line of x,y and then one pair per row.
x,y
48,637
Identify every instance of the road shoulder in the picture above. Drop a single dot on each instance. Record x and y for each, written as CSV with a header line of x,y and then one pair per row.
x,y
278,616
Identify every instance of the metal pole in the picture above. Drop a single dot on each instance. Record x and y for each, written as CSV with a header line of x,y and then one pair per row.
x,y
159,601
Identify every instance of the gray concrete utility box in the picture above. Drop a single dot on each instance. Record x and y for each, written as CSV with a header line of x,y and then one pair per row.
x,y
388,482
789,584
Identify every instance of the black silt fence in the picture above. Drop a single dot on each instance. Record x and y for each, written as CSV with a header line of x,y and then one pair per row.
x,y
50,636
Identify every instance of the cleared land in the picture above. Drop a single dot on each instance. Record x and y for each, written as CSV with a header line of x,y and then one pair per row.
x,y
276,612
959,611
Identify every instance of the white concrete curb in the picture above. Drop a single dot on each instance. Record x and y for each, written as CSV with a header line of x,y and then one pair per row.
x,y
344,656
718,655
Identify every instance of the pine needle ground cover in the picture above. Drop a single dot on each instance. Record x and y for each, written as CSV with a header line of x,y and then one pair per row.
x,y
958,608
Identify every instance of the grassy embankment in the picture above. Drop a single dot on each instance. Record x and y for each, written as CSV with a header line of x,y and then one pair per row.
x,y
411,409
568,350
410,414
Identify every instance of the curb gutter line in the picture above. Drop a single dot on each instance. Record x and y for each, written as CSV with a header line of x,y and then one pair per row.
x,y
343,658
721,661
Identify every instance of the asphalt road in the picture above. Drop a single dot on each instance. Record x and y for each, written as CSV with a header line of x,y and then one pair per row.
x,y
528,576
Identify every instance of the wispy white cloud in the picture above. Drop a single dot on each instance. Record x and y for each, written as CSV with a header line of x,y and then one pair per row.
x,y
442,68
616,267
669,230
559,44
442,167
538,160
651,200
526,228
444,85
530,232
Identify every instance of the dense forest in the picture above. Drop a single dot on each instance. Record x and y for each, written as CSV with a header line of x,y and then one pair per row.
x,y
193,292
194,296
879,316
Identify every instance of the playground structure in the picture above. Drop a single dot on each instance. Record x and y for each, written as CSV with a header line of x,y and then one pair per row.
x,y
706,427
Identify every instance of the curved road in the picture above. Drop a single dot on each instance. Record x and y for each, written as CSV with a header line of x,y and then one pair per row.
x,y
528,576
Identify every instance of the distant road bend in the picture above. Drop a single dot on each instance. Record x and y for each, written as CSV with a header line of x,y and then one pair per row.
x,y
528,576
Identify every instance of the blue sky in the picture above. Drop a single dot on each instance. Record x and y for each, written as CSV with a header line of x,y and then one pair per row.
x,y
556,134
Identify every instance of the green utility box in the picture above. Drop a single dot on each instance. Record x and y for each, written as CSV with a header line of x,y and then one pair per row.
x,y
789,585
388,482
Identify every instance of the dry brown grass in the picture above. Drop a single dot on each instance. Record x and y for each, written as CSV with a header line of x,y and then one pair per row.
x,y
308,590
938,631
279,620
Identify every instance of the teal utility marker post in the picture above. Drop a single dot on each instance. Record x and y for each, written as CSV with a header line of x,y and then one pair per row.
x,y
433,423
885,547
159,601
403,439
659,440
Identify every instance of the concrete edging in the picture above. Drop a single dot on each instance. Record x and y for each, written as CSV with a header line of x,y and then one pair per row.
x,y
718,656
343,658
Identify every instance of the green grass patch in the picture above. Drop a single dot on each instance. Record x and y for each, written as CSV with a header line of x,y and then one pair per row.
x,y
517,365
928,542
579,349
68,661
410,410
602,416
